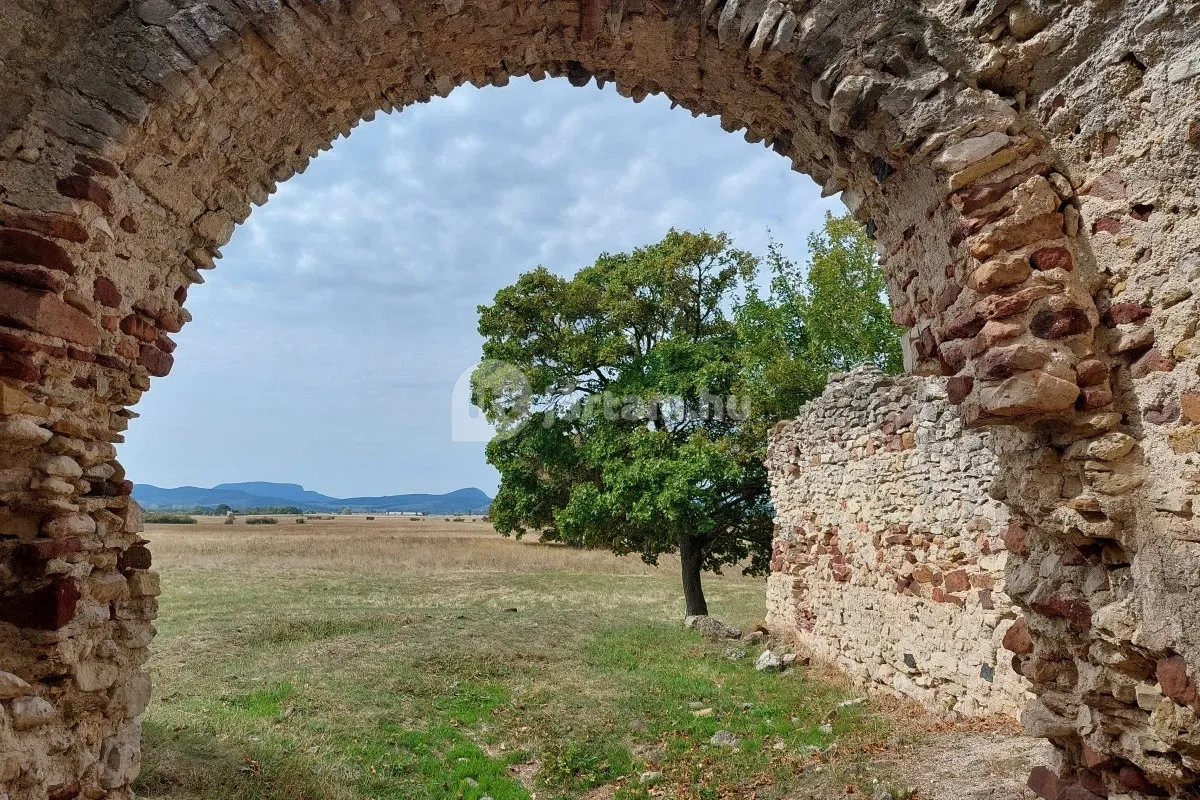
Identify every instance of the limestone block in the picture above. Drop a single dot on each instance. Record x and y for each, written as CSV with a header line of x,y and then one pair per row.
x,y
31,712
11,686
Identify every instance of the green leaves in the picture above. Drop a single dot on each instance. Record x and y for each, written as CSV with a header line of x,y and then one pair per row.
x,y
829,316
843,307
634,399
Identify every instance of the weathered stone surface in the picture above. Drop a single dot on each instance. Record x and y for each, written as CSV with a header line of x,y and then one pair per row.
x,y
1000,239
1067,603
48,608
1133,341
710,627
1017,638
768,661
106,292
970,151
1015,538
57,226
1091,372
23,247
85,188
1003,362
999,273
31,712
1060,324
1172,674
1189,405
1124,313
1109,447
61,466
958,388
1151,361
31,276
13,400
1048,258
46,549
69,525
11,686
963,326
1000,306
157,362
1029,392
46,313
850,562
135,557
139,328
143,583
22,433
137,135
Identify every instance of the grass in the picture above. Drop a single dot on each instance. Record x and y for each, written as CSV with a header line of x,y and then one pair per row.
x,y
335,662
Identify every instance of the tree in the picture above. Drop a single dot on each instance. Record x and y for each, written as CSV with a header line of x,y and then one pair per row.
x,y
828,317
633,400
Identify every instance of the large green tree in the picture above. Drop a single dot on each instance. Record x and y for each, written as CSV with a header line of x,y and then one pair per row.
x,y
632,400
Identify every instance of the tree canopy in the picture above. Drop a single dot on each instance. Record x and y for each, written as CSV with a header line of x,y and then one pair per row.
x,y
632,400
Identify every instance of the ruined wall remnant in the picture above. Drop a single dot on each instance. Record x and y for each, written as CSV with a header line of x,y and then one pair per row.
x,y
1029,168
889,552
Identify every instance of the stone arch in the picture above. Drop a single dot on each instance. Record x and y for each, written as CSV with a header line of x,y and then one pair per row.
x,y
137,136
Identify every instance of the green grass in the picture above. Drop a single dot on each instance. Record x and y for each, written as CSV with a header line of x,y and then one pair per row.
x,y
313,685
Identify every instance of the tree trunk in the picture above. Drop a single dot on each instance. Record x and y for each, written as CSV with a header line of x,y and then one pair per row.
x,y
691,556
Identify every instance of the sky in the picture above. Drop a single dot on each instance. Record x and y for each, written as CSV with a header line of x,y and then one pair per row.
x,y
326,346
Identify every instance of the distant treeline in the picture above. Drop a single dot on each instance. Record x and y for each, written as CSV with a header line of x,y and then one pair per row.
x,y
223,510
160,518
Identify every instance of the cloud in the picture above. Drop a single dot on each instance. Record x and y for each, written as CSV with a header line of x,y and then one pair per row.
x,y
326,345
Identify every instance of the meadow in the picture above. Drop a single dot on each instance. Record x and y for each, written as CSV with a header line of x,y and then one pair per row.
x,y
429,659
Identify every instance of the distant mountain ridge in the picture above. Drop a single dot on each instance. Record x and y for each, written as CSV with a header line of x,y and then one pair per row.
x,y
260,494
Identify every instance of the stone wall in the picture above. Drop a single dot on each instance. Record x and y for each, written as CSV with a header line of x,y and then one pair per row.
x,y
1029,168
889,553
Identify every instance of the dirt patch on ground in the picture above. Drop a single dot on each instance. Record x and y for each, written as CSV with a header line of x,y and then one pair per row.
x,y
982,760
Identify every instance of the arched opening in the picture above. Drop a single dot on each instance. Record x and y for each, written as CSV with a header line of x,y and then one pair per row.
x,y
129,160
358,283
434,619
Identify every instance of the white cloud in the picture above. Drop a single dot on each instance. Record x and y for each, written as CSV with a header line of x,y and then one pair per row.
x,y
326,344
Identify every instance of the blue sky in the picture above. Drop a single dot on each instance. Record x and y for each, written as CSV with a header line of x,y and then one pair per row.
x,y
326,345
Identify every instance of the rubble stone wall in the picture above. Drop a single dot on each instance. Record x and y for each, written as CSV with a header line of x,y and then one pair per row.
x,y
889,553
1029,168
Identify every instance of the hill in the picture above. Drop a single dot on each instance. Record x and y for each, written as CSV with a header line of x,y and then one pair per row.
x,y
262,494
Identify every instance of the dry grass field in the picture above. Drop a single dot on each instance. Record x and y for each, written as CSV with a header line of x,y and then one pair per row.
x,y
429,659
386,544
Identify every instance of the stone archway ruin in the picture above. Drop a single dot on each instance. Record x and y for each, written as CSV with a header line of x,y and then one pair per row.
x,y
1029,169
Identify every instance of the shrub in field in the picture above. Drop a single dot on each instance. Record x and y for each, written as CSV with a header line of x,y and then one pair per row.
x,y
459,519
370,519
301,521
262,521
169,519
575,765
